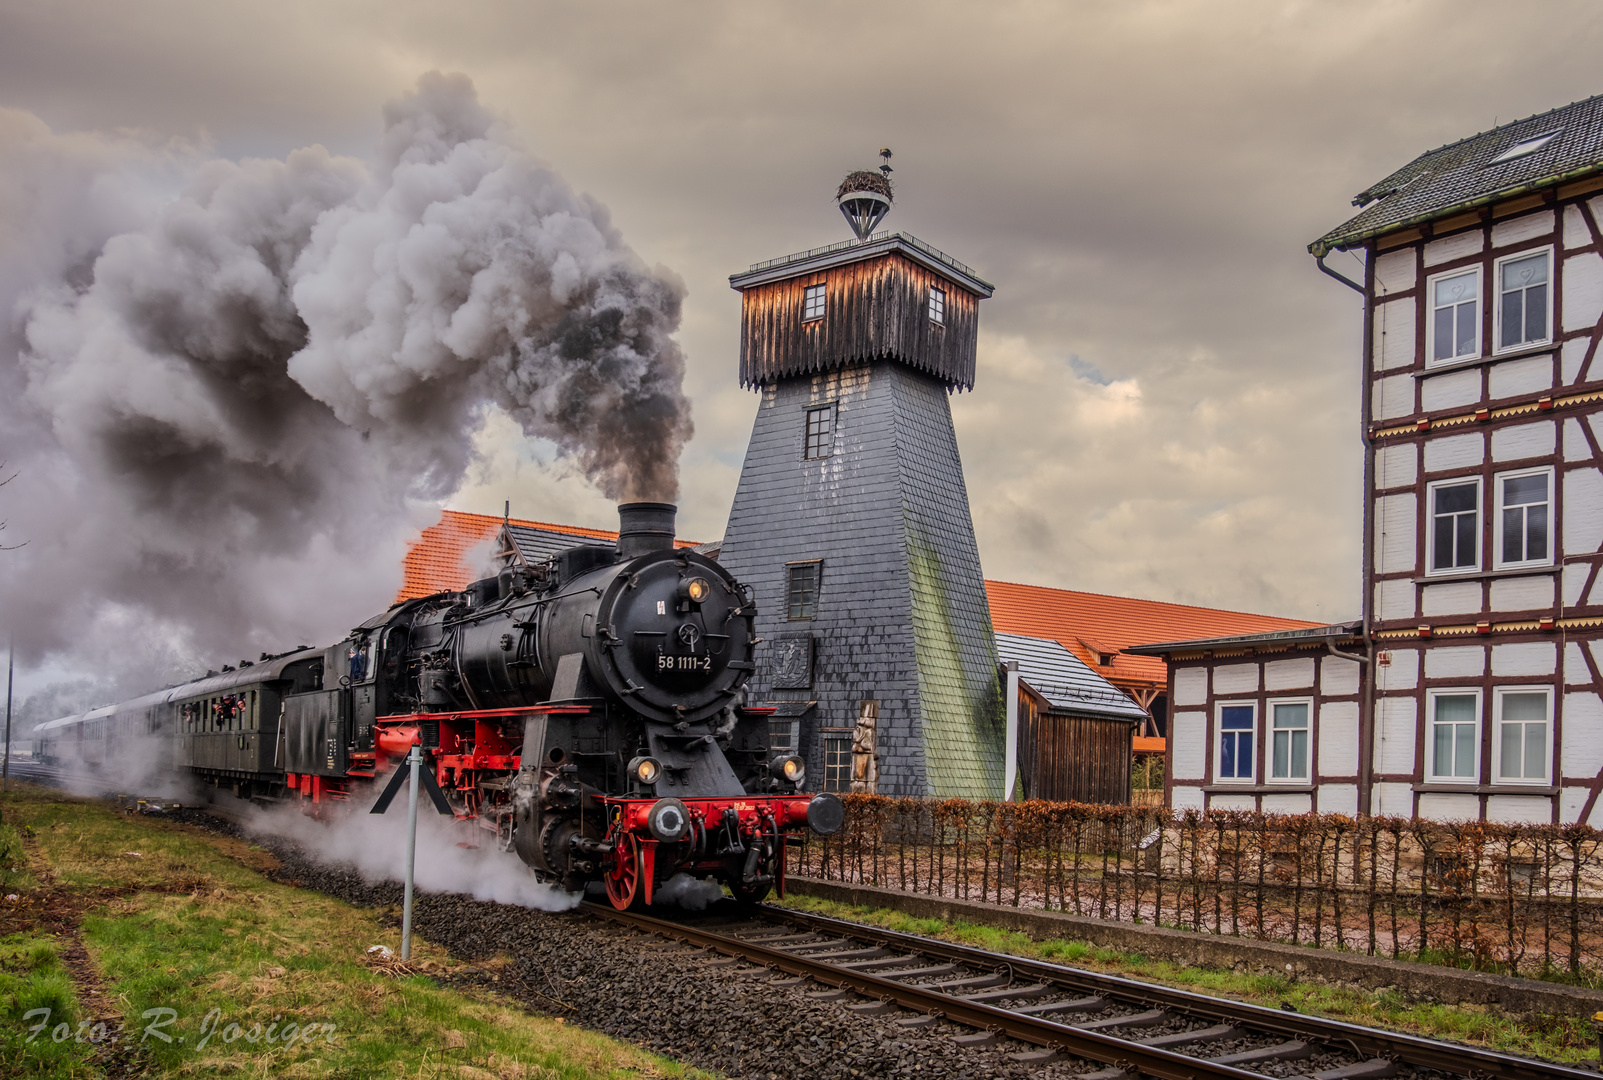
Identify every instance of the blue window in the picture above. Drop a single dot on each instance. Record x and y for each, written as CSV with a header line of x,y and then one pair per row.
x,y
1236,725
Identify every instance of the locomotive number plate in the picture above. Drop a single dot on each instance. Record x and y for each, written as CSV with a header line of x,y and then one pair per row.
x,y
683,663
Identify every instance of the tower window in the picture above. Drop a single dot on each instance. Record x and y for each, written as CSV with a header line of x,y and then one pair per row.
x,y
801,596
813,303
938,305
820,432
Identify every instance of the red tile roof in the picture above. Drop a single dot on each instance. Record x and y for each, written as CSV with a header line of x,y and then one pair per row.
x,y
1082,621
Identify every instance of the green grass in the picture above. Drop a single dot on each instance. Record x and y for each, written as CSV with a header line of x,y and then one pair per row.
x,y
190,928
32,978
1570,1039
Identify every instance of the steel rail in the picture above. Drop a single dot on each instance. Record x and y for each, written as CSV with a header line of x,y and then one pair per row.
x,y
1407,1049
1130,1057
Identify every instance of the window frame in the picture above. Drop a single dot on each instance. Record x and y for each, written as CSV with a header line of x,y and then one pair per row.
x,y
820,292
936,306
1269,736
1428,299
1432,775
827,743
1219,735
1498,562
790,588
1431,569
828,449
1498,348
1546,779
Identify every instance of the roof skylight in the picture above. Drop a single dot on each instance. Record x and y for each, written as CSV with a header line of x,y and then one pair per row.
x,y
1529,146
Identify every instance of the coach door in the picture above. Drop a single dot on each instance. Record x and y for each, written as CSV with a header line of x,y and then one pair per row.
x,y
316,732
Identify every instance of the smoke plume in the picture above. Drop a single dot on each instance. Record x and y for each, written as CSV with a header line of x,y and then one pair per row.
x,y
231,389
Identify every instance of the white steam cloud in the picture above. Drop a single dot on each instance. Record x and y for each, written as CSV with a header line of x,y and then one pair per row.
x,y
227,385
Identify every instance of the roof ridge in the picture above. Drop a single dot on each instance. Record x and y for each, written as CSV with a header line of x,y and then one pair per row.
x,y
1144,600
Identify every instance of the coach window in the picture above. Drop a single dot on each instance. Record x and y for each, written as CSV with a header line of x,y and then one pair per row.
x,y
1522,751
1524,516
1454,509
1289,727
1453,742
1524,300
1233,754
801,596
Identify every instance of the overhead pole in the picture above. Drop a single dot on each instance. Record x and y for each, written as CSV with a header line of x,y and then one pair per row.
x,y
415,761
11,667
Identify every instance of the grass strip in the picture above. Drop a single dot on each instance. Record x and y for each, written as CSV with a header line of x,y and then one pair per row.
x,y
1568,1039
221,971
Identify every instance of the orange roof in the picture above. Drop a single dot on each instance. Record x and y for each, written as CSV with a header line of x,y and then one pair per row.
x,y
434,562
1081,621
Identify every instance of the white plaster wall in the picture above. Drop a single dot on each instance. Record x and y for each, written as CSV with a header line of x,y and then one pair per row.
x,y
1596,648
1338,738
1188,745
1524,441
1583,290
1235,679
1186,798
1571,801
1448,391
1573,356
1394,735
1576,448
1454,452
1525,658
1394,599
1576,234
1191,686
1583,511
1395,548
1454,247
1459,598
1294,674
1520,809
1595,422
1393,396
1337,676
1439,807
1455,662
1522,593
1402,673
1393,800
1525,227
1395,271
1575,670
1288,803
1596,595
1338,799
1232,802
1581,748
1396,465
1574,581
1394,335
1515,377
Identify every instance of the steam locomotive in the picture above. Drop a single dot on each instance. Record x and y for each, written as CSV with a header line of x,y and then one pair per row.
x,y
589,712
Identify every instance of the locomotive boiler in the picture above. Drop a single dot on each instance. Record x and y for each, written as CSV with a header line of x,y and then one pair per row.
x,y
587,712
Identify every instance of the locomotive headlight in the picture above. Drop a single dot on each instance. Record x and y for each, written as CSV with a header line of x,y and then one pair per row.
x,y
789,768
695,589
646,770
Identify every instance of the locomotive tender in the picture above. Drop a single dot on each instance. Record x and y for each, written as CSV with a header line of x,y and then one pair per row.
x,y
589,712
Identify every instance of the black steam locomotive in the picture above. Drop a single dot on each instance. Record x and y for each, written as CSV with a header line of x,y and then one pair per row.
x,y
589,712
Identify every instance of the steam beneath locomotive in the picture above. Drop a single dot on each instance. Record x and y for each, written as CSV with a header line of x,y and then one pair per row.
x,y
228,383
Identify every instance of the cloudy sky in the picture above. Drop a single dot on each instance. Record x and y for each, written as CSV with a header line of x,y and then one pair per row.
x,y
1166,403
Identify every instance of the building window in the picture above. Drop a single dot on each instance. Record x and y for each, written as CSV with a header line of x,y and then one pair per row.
x,y
782,736
812,303
1523,723
1235,760
802,594
1455,526
820,433
1453,330
1523,533
1454,744
1524,302
837,762
1288,751
938,305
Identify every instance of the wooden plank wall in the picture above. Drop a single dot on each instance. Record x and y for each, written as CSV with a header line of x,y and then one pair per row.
x,y
1065,758
873,309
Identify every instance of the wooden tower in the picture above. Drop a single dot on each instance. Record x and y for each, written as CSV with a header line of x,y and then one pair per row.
x,y
851,520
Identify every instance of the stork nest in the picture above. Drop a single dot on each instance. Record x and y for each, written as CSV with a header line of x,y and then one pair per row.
x,y
864,180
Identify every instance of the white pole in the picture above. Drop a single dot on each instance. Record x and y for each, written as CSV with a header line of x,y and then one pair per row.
x,y
1010,758
415,760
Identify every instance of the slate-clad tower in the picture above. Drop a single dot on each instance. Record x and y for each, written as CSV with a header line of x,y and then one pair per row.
x,y
852,521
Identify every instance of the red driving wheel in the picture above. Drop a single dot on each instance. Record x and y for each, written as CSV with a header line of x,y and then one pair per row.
x,y
623,876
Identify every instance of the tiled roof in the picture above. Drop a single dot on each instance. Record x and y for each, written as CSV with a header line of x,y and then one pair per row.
x,y
1117,622
1333,633
1063,680
1466,174
434,563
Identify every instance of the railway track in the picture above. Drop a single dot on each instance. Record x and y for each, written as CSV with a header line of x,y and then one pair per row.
x,y
1131,1029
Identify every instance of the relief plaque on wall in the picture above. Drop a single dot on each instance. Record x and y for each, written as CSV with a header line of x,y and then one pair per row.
x,y
793,661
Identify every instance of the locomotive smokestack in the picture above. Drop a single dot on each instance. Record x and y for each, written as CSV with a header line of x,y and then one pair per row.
x,y
644,527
